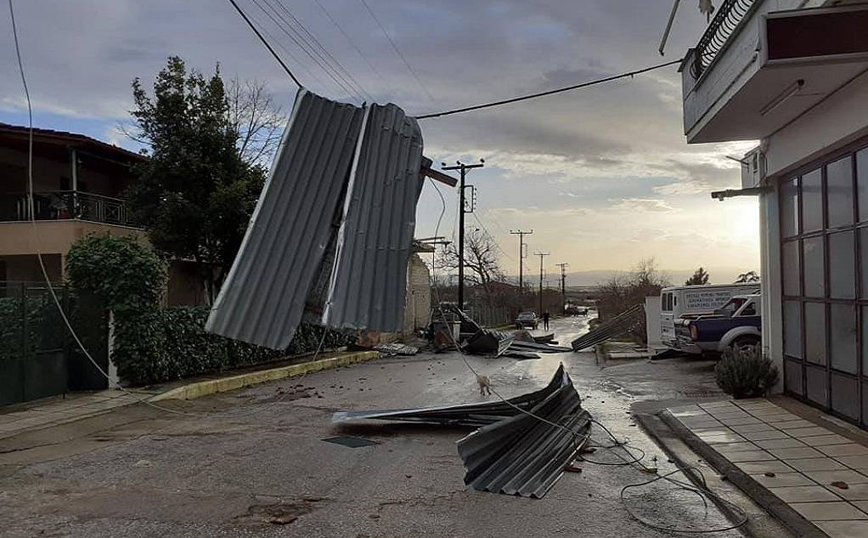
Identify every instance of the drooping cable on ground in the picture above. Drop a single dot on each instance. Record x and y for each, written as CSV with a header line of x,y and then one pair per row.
x,y
265,42
396,49
634,461
546,93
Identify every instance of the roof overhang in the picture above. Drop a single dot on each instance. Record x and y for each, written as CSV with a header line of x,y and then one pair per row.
x,y
804,56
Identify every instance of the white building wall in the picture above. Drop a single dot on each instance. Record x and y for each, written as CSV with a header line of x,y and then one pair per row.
x,y
835,122
770,271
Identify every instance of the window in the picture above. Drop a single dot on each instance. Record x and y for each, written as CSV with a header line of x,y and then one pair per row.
x,y
790,208
824,279
812,201
839,192
813,261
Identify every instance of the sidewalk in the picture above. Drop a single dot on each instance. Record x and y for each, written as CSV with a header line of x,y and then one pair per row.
x,y
73,406
801,465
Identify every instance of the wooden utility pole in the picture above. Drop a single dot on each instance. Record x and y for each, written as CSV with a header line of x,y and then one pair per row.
x,y
462,209
521,255
563,267
541,273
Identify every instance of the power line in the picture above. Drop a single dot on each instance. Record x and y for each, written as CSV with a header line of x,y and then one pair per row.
x,y
396,49
546,93
350,40
307,48
264,42
346,75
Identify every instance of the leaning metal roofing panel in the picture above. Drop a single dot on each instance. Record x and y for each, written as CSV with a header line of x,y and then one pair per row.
x,y
369,280
263,298
620,324
523,455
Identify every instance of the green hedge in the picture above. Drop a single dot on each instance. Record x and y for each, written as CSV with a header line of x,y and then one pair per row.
x,y
171,343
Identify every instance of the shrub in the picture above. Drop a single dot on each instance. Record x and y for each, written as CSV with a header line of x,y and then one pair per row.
x,y
744,372
171,343
125,274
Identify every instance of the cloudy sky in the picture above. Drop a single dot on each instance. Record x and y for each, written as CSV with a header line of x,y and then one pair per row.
x,y
602,175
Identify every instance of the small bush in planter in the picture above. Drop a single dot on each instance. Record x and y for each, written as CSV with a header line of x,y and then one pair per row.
x,y
744,372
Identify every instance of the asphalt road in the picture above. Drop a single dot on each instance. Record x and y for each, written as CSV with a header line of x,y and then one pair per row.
x,y
253,462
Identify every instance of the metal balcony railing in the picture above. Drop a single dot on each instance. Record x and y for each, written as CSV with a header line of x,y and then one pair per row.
x,y
722,26
64,205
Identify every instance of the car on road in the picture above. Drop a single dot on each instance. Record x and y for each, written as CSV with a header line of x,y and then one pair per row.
x,y
737,324
527,320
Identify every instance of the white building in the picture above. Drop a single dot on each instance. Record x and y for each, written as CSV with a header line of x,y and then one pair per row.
x,y
793,74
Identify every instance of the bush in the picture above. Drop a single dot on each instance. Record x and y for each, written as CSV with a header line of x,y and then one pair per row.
x,y
171,343
744,372
125,274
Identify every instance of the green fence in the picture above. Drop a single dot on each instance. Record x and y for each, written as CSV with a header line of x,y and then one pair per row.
x,y
38,356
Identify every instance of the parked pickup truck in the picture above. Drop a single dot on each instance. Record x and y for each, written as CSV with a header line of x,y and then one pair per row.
x,y
736,324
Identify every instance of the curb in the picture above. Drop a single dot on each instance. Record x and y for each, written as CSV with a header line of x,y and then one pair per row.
x,y
226,384
791,519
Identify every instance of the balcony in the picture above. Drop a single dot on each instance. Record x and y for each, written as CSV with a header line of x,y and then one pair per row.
x,y
65,205
755,70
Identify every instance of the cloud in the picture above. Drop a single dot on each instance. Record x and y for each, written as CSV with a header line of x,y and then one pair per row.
x,y
642,205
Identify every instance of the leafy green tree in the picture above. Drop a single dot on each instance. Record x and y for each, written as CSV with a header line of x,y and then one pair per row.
x,y
699,278
127,275
196,193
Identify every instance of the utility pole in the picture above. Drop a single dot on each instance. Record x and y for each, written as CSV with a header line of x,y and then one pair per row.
x,y
541,272
563,267
462,209
521,256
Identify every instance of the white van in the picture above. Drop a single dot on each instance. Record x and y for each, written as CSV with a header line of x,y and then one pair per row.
x,y
680,302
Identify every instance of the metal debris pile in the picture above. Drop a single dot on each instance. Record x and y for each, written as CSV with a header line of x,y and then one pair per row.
x,y
522,445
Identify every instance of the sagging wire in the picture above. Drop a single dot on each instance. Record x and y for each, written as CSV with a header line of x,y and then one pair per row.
x,y
575,436
35,230
703,491
635,461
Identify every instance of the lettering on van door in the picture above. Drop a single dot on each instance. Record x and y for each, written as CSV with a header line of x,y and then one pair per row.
x,y
706,300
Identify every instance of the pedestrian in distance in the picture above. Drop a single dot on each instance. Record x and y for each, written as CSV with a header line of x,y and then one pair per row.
x,y
546,320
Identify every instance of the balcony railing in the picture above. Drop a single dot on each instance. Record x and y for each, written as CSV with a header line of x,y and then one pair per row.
x,y
722,26
64,205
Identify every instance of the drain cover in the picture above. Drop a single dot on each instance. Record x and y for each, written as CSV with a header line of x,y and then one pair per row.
x,y
352,442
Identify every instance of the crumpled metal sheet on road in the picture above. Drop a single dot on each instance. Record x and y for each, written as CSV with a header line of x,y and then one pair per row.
x,y
513,452
523,455
472,415
263,297
370,274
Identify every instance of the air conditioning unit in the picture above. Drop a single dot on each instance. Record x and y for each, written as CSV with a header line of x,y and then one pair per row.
x,y
752,168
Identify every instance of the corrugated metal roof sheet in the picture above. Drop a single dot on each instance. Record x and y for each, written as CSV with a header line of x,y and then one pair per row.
x,y
620,324
369,279
523,455
474,415
263,297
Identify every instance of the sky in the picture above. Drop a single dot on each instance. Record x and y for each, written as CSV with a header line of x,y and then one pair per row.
x,y
602,175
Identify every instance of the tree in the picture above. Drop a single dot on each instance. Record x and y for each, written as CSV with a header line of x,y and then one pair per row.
x,y
256,119
750,276
624,291
197,191
481,262
699,278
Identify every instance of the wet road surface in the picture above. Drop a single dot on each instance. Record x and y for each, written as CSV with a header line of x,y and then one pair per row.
x,y
253,463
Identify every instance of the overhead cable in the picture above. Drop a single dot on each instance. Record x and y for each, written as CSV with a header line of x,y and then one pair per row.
x,y
546,93
265,42
335,64
396,49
